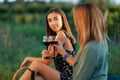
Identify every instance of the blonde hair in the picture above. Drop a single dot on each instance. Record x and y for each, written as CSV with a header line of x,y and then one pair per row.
x,y
89,24
65,26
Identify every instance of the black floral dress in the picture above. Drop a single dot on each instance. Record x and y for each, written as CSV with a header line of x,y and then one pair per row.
x,y
66,71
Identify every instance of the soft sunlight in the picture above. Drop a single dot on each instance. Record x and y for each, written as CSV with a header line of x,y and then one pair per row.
x,y
71,1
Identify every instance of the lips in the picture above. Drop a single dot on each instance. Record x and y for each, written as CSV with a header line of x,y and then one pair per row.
x,y
54,28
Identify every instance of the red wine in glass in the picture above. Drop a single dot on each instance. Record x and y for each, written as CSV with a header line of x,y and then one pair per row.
x,y
46,43
47,40
53,42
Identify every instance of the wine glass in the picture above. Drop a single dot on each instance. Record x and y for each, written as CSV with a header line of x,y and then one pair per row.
x,y
46,40
52,40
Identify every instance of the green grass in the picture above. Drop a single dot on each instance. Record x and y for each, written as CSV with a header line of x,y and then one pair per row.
x,y
19,41
114,59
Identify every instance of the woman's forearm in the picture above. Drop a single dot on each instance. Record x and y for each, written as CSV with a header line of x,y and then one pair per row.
x,y
70,60
31,59
46,61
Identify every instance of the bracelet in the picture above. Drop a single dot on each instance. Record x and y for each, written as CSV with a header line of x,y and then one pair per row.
x,y
65,56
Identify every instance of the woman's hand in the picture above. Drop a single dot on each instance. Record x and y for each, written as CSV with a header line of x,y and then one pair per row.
x,y
25,62
51,50
59,48
45,54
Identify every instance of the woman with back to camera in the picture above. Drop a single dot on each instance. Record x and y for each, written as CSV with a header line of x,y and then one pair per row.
x,y
91,60
56,25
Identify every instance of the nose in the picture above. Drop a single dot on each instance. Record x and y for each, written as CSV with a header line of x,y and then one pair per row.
x,y
53,22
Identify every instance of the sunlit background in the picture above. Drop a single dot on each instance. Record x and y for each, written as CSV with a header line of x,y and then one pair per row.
x,y
70,1
22,26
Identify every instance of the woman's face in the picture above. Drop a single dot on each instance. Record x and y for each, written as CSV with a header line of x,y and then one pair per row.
x,y
55,21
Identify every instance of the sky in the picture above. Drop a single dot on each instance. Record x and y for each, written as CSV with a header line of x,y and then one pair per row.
x,y
116,1
73,1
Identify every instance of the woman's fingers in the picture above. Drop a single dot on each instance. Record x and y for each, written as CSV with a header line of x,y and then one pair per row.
x,y
59,47
45,54
24,63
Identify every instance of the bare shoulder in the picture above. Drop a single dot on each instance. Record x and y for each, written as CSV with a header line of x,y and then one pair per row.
x,y
61,34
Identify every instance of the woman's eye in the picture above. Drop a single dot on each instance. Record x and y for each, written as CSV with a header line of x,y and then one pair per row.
x,y
49,20
55,18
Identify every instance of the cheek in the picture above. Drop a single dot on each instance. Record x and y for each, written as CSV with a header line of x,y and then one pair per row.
x,y
60,24
50,25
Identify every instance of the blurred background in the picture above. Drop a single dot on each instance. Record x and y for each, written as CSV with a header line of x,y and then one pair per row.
x,y
22,25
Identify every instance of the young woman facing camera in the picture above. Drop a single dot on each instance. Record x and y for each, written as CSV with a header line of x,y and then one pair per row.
x,y
56,25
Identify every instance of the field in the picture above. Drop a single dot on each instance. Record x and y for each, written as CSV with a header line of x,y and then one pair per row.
x,y
19,41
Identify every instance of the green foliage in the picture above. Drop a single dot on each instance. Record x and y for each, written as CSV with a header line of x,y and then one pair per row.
x,y
67,8
44,9
27,18
3,12
114,59
113,8
17,42
33,8
17,18
18,9
3,17
22,36
114,14
3,9
113,19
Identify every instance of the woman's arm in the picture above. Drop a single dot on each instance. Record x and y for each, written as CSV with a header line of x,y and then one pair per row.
x,y
61,37
31,59
69,59
61,50
26,61
43,60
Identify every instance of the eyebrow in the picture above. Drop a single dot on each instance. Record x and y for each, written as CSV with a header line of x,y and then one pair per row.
x,y
53,17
